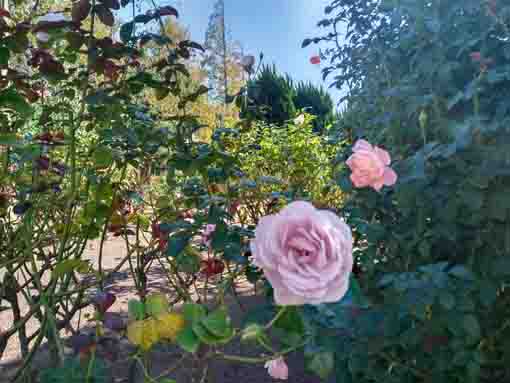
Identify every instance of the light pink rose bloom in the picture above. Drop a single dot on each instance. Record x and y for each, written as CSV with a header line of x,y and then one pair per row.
x,y
370,166
207,234
277,368
305,253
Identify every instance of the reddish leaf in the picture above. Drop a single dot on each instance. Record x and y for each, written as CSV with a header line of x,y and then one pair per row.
x,y
80,11
112,4
44,26
433,342
105,43
43,163
51,67
111,70
212,267
145,39
4,13
105,15
23,27
103,301
44,137
114,228
162,244
167,11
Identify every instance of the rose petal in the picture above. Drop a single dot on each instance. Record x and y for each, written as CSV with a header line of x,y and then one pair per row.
x,y
282,295
377,185
383,155
362,145
297,208
390,177
336,290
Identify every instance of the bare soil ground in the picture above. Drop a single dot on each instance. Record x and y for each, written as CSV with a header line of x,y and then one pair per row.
x,y
165,356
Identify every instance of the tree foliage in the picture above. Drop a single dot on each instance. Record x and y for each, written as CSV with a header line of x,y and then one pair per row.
x,y
222,57
276,98
270,97
317,102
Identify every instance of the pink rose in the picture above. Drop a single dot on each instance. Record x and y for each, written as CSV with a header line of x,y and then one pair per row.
x,y
370,166
207,234
277,368
305,253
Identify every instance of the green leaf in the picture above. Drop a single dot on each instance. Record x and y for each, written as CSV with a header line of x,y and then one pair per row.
x,y
126,31
219,237
191,44
202,89
70,265
187,263
4,56
103,157
73,371
252,332
345,184
501,266
136,309
447,300
232,253
291,326
176,245
204,335
342,373
306,42
187,340
156,304
357,294
99,98
322,364
145,18
488,293
10,139
10,98
473,370
472,198
193,312
218,323
472,326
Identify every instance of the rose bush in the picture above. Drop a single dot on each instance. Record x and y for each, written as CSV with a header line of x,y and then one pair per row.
x,y
427,81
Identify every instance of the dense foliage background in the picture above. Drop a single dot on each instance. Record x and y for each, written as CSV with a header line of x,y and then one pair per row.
x,y
427,80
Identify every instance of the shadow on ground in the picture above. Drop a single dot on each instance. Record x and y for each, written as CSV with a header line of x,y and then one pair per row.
x,y
116,351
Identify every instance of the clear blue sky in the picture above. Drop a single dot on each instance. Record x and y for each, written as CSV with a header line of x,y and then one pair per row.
x,y
274,27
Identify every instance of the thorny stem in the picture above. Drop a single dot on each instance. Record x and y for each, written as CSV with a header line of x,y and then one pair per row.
x,y
280,313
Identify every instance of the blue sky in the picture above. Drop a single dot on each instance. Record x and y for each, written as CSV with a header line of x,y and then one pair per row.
x,y
274,27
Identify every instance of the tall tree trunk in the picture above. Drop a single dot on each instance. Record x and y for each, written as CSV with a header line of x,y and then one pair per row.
x,y
225,74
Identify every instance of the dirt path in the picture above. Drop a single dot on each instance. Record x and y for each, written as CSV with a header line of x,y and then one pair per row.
x,y
163,356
